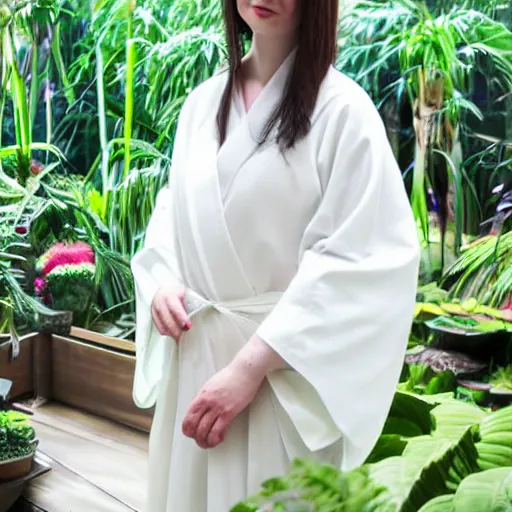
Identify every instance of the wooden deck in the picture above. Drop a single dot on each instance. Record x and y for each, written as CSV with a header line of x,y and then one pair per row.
x,y
97,465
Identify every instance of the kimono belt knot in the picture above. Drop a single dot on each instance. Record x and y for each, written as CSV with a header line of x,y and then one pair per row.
x,y
244,309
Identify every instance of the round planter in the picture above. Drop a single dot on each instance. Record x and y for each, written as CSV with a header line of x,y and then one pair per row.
x,y
500,397
16,468
58,323
480,345
479,391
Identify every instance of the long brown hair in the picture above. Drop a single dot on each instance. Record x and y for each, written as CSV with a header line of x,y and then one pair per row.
x,y
315,53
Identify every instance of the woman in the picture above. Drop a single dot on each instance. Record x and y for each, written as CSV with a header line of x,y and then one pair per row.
x,y
276,289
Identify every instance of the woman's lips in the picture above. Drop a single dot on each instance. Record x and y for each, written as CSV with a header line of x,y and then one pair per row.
x,y
263,12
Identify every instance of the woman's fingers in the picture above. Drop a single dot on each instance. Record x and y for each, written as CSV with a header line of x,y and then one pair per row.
x,y
204,427
177,308
192,418
169,313
165,322
218,431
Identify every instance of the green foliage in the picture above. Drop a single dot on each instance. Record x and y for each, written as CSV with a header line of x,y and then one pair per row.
x,y
17,437
490,491
312,486
502,378
433,472
377,36
495,444
17,307
484,271
72,287
422,380
404,53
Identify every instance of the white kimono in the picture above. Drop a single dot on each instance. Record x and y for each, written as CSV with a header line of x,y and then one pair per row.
x,y
316,251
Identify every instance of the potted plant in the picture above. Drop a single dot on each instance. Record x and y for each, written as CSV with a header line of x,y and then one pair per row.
x,y
17,439
501,382
17,445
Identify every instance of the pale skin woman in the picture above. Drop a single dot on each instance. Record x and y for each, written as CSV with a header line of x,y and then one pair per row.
x,y
274,25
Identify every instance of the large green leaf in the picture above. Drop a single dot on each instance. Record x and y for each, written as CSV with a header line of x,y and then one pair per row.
x,y
422,472
402,427
495,445
453,418
388,445
412,408
490,491
439,504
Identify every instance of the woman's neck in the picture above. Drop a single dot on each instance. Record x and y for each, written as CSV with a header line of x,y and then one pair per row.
x,y
265,57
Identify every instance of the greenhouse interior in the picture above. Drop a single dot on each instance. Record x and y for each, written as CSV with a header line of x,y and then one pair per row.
x,y
90,98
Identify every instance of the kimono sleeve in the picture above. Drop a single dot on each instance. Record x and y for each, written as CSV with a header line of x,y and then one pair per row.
x,y
154,266
344,321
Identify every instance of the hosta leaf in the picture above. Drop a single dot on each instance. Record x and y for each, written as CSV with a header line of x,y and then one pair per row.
x,y
401,427
498,421
388,445
451,419
489,491
495,445
439,504
413,409
421,473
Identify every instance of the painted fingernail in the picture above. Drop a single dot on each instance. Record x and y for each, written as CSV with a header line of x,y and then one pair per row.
x,y
187,325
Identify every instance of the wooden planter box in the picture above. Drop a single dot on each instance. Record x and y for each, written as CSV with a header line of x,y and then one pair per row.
x,y
24,370
94,372
86,370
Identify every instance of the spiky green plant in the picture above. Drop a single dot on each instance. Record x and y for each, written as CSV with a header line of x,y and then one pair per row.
x,y
435,54
484,271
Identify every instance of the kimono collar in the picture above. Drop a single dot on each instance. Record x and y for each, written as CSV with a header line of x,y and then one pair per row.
x,y
269,97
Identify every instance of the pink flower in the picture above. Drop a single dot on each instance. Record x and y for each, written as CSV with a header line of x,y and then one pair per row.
x,y
507,304
39,285
64,254
36,167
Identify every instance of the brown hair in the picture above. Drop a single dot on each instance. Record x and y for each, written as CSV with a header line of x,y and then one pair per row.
x,y
316,52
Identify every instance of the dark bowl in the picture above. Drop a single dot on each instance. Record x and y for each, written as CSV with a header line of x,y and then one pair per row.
x,y
490,347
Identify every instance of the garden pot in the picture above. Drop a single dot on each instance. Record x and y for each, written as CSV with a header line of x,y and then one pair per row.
x,y
10,491
16,468
478,391
500,397
59,323
486,347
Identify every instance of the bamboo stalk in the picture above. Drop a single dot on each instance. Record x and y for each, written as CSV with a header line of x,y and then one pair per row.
x,y
130,68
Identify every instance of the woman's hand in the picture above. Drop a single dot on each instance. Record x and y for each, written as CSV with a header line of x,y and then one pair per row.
x,y
168,312
220,400
229,392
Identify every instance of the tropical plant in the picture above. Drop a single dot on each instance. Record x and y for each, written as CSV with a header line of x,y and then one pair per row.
x,y
491,490
18,309
435,56
440,457
502,378
169,49
483,271
66,277
30,36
